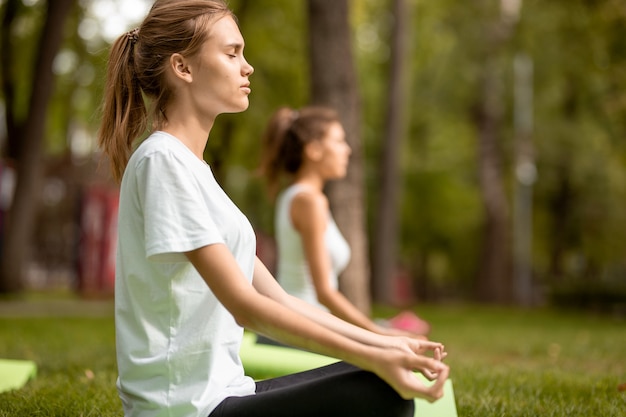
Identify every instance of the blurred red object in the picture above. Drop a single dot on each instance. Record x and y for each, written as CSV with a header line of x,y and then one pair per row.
x,y
410,322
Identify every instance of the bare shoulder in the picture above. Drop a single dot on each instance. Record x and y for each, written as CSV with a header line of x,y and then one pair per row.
x,y
310,198
309,207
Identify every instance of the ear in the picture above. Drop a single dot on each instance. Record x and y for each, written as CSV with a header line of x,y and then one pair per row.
x,y
180,67
313,150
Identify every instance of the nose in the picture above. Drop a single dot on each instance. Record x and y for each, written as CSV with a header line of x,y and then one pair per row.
x,y
247,69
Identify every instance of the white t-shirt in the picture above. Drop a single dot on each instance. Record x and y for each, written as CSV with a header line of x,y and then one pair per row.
x,y
293,271
177,346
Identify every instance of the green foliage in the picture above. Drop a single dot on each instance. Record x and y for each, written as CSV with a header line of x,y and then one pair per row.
x,y
80,69
579,136
579,66
579,55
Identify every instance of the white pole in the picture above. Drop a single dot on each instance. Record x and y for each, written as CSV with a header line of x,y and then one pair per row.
x,y
525,176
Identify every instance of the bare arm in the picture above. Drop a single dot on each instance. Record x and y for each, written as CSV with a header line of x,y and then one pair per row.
x,y
309,215
257,311
267,285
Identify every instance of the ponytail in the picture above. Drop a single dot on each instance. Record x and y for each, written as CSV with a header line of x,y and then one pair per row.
x,y
124,111
286,135
273,144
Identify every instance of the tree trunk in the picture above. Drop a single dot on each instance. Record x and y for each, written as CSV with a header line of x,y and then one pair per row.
x,y
8,83
334,83
384,256
19,227
494,274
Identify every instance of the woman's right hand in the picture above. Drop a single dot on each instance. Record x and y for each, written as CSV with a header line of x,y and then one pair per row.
x,y
397,368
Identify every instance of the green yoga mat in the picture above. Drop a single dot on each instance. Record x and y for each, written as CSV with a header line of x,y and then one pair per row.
x,y
15,374
272,361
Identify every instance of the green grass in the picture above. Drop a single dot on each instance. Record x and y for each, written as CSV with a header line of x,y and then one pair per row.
x,y
75,366
509,362
505,362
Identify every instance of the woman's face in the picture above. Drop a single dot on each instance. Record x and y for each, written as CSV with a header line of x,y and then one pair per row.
x,y
221,82
336,152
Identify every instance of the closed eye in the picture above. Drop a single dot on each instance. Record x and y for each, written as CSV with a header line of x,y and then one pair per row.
x,y
234,49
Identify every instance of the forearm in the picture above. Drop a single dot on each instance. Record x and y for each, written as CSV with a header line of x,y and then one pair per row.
x,y
311,332
338,324
341,307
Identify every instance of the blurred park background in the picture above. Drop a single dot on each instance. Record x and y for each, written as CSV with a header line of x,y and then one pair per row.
x,y
489,152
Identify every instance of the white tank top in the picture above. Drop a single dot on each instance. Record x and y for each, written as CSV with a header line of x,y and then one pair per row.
x,y
293,272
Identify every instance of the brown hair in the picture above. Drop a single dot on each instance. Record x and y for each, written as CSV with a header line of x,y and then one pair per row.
x,y
136,68
287,133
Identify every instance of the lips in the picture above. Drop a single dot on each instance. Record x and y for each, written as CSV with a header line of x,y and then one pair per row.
x,y
246,88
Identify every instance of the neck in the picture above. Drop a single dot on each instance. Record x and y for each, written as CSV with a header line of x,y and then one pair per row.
x,y
191,133
309,179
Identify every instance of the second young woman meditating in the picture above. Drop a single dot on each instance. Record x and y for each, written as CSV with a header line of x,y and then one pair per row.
x,y
306,148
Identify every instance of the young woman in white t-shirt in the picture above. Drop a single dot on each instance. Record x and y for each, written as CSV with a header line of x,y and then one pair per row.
x,y
187,278
307,148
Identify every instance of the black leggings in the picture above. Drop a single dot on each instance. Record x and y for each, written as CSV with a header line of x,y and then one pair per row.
x,y
340,390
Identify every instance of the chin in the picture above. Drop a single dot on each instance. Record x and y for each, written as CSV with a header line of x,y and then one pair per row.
x,y
238,109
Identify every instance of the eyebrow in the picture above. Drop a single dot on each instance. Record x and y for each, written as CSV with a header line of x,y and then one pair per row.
x,y
235,45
